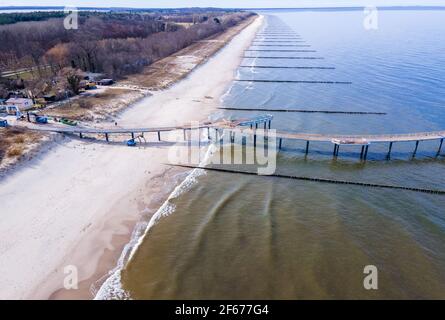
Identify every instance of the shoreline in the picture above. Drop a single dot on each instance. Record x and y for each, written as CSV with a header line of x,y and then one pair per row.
x,y
64,229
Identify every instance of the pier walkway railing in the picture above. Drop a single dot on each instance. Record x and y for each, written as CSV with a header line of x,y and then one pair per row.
x,y
251,127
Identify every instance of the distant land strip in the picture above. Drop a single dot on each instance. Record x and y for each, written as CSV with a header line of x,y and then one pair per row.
x,y
322,180
293,81
303,110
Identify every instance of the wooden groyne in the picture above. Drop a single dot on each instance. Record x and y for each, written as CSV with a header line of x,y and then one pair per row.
x,y
304,111
284,37
282,45
286,67
277,34
279,37
283,58
280,50
293,81
282,41
322,180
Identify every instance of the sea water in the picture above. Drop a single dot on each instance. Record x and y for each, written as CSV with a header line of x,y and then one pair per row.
x,y
234,236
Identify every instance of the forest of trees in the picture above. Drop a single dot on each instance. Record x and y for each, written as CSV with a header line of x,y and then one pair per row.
x,y
102,36
29,16
115,44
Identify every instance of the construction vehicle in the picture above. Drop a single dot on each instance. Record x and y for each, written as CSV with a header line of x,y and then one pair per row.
x,y
39,103
88,85
91,85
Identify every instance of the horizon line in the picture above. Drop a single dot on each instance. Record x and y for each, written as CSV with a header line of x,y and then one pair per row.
x,y
239,8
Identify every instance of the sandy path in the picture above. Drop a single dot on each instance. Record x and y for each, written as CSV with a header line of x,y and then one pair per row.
x,y
67,206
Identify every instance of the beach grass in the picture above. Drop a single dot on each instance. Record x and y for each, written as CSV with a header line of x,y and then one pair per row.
x,y
16,142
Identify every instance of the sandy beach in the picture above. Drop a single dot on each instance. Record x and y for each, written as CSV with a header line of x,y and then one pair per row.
x,y
78,204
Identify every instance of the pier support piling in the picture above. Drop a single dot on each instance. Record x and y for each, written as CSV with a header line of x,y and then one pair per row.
x,y
365,155
440,147
336,147
389,151
415,149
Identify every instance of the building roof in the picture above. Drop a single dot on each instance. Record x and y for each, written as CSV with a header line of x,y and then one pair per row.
x,y
18,100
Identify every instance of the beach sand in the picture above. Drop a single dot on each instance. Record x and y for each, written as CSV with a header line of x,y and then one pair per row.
x,y
79,203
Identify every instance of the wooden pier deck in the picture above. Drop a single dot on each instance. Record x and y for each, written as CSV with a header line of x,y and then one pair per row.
x,y
363,139
81,131
359,140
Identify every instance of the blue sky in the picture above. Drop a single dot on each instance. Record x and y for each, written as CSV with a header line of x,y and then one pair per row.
x,y
218,3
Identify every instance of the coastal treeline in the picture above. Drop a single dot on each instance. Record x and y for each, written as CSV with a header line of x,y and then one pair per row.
x,y
112,43
184,14
15,17
122,55
109,43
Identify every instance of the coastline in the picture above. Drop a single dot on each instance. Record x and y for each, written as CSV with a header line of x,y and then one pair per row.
x,y
122,186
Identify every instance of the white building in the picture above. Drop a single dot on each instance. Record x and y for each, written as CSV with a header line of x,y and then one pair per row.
x,y
21,103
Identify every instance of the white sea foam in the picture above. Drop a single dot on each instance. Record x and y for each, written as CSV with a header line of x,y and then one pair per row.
x,y
112,287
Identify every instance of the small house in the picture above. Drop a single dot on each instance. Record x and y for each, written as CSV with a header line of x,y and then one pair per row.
x,y
21,103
